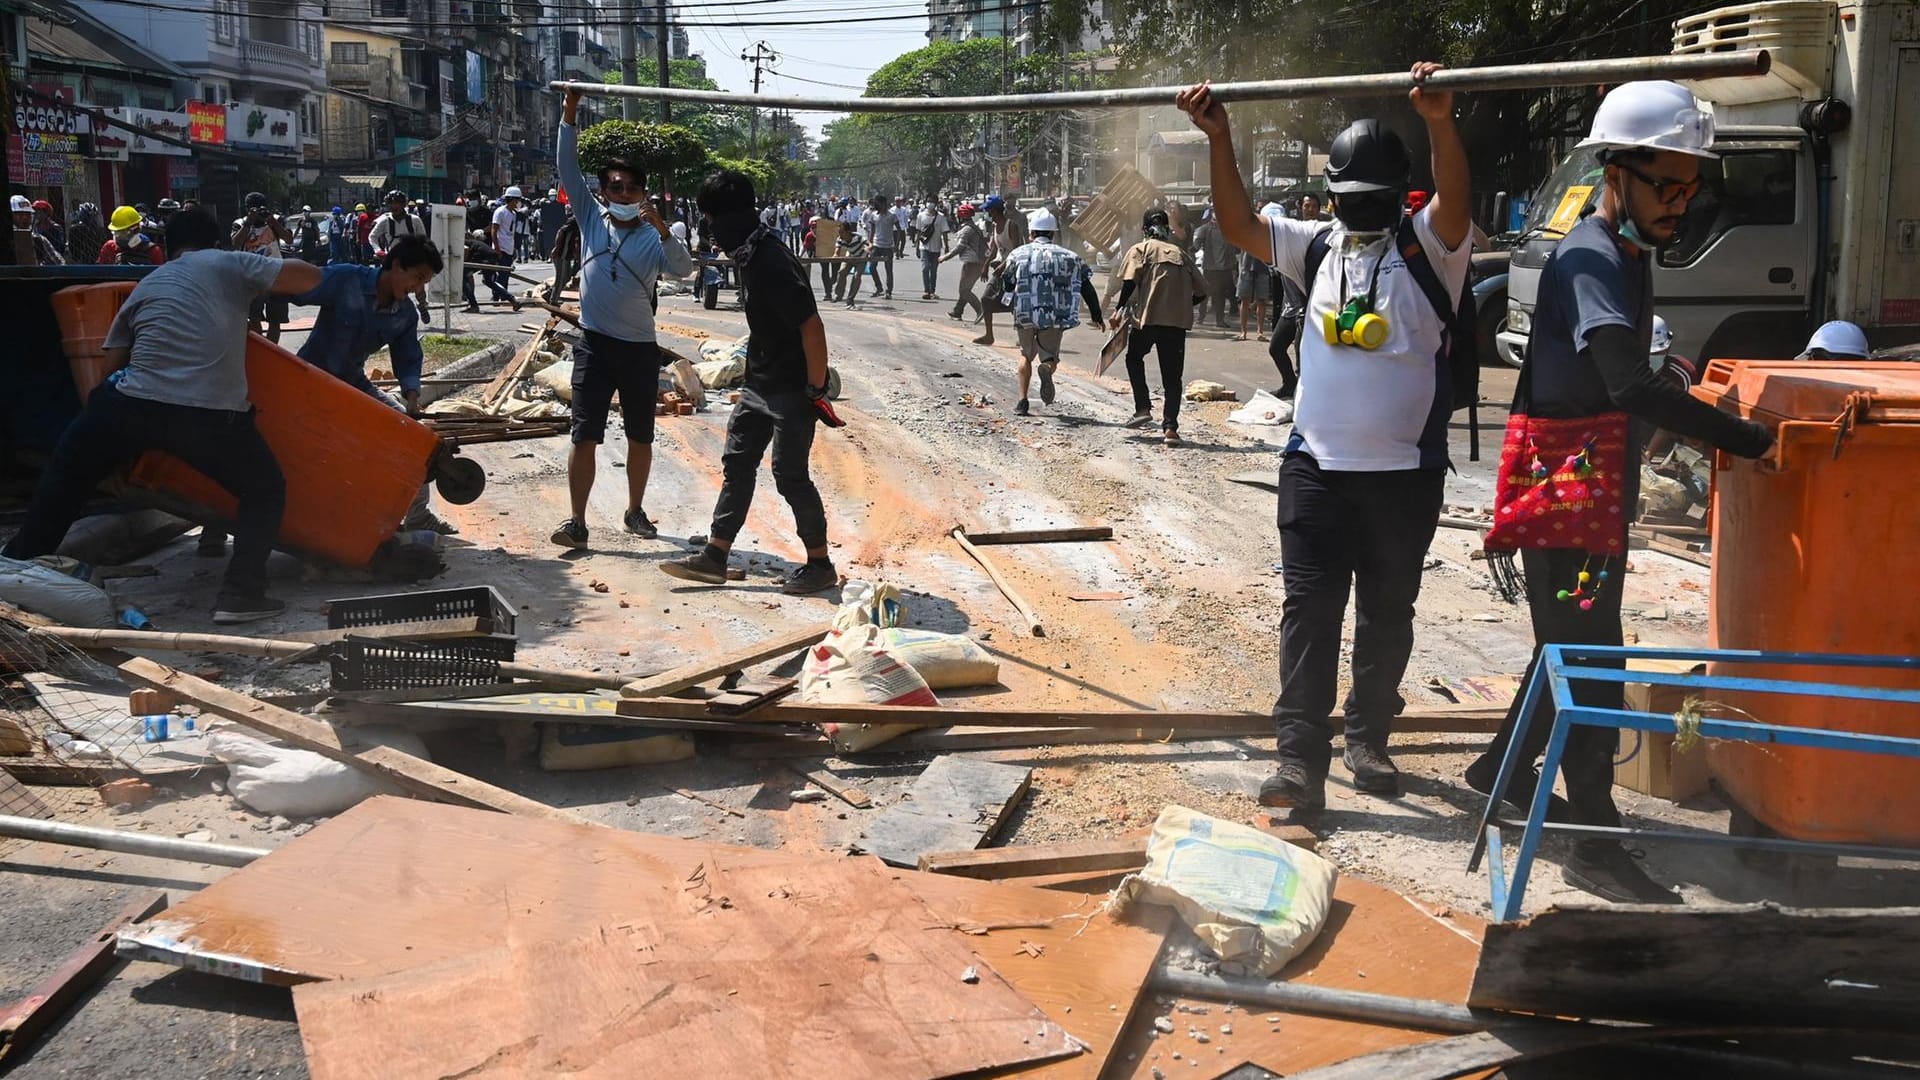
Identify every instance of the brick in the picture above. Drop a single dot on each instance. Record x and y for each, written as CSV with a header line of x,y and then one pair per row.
x,y
151,702
128,792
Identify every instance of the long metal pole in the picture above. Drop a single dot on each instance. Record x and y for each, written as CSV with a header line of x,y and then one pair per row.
x,y
1387,84
132,843
1327,1001
629,60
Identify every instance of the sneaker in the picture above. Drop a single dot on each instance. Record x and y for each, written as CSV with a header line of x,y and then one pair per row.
x,y
983,339
954,315
812,577
212,545
1046,380
1295,785
570,534
1373,771
432,522
1520,789
471,309
1022,408
1140,420
640,525
696,567
1172,436
1611,872
233,607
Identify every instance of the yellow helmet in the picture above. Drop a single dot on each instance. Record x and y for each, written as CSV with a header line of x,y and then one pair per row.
x,y
126,217
360,206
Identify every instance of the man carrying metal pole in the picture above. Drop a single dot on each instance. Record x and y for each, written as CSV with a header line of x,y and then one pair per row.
x,y
1363,477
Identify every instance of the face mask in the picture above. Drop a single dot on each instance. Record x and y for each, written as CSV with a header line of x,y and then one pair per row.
x,y
1368,211
123,236
623,211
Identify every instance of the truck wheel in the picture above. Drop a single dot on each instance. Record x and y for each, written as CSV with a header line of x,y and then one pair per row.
x,y
711,299
1488,321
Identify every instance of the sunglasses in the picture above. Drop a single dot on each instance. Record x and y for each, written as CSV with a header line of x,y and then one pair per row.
x,y
1666,192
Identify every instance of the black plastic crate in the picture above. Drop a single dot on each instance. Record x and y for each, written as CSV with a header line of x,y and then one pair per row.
x,y
478,602
368,664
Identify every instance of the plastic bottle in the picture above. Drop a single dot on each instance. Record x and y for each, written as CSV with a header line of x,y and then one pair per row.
x,y
154,728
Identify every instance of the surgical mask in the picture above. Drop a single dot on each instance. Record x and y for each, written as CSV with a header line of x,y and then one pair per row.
x,y
1368,211
619,211
123,236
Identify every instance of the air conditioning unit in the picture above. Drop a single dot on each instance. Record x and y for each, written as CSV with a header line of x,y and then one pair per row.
x,y
1798,34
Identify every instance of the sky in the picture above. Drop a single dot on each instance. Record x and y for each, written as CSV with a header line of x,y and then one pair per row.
x,y
840,55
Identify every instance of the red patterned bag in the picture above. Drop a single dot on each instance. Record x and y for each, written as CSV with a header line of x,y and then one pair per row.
x,y
1561,484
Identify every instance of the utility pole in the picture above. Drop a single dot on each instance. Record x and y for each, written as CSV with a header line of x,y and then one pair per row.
x,y
629,59
660,30
761,57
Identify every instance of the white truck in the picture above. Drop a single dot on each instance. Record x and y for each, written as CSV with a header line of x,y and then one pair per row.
x,y
1812,211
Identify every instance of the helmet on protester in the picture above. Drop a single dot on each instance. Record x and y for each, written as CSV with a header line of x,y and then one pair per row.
x,y
256,201
42,204
125,217
358,207
995,202
964,211
1155,216
1367,156
306,209
1043,221
1651,115
20,204
396,196
168,205
1662,338
1836,340
512,192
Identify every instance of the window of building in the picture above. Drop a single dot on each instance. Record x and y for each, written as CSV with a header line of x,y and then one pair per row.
x,y
213,93
391,9
309,118
349,52
226,21
107,99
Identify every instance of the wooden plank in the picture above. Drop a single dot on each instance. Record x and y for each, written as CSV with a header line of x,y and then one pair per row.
x,y
1473,720
17,799
815,969
1013,597
1374,940
1074,857
1759,963
27,1019
509,374
394,884
750,696
774,648
425,630
1042,536
412,774
956,803
1666,545
834,786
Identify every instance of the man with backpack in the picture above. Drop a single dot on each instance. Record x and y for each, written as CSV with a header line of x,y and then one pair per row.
x,y
624,246
1362,478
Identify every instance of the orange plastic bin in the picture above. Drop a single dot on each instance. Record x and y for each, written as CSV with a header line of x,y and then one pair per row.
x,y
352,464
1814,552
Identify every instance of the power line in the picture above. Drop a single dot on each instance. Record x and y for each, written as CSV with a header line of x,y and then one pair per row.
x,y
473,24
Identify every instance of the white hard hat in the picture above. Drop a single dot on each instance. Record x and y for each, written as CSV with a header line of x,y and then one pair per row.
x,y
1652,115
1662,337
512,192
1043,221
1839,340
21,204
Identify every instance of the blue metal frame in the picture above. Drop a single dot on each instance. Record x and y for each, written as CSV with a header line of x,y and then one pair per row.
x,y
1561,665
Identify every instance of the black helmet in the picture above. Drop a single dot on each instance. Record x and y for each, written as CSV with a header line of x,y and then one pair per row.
x,y
396,195
168,205
256,201
1152,217
1368,157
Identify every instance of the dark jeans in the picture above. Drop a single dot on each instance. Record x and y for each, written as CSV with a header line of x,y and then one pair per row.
x,y
1171,344
497,279
882,257
1587,763
929,272
1219,294
114,429
1364,532
1285,329
829,277
785,419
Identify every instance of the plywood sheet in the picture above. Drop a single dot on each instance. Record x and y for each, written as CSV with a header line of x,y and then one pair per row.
x,y
761,971
1375,940
955,805
396,883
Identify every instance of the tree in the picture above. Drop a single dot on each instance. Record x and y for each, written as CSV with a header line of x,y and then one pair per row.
x,y
667,151
722,127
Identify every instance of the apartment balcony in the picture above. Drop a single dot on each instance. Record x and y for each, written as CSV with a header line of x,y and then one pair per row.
x,y
279,64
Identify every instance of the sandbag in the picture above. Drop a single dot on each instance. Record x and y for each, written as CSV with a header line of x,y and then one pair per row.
x,y
284,780
570,747
43,591
1251,898
849,668
1204,390
1263,409
722,364
687,381
557,378
946,661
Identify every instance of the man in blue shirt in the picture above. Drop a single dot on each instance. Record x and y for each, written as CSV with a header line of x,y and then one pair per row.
x,y
623,247
1041,280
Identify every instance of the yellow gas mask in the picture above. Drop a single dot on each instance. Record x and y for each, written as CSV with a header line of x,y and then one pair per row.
x,y
1356,323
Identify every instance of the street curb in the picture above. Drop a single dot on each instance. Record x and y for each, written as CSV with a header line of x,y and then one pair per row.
x,y
488,361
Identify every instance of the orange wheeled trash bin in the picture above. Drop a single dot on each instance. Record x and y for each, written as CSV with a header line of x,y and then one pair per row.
x,y
1813,551
352,464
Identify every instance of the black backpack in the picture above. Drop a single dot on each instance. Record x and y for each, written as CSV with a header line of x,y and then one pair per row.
x,y
1461,341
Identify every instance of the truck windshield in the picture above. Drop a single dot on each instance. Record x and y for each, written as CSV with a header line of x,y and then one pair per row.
x,y
1556,206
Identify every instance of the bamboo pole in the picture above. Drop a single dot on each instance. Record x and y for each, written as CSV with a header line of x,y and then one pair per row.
x,y
1006,590
1746,62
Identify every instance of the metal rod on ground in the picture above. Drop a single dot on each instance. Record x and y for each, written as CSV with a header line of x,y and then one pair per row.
x,y
1387,84
1426,1015
131,843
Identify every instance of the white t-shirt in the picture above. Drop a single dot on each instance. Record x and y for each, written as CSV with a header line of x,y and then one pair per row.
x,y
678,230
504,219
1378,410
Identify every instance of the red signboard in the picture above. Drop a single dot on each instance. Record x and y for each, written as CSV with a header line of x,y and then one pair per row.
x,y
207,123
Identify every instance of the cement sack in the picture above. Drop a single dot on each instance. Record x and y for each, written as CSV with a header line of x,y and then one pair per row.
x,y
570,747
1263,409
722,364
294,783
849,667
557,378
50,593
945,661
1251,899
1202,390
687,381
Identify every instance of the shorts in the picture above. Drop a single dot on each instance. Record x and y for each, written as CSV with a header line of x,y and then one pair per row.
x,y
604,366
1255,284
270,308
1042,343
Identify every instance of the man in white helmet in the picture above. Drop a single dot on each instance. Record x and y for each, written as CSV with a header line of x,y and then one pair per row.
x,y
1836,340
1589,356
1041,280
500,232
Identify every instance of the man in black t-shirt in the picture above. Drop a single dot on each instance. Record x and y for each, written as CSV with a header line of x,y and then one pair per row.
x,y
785,392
